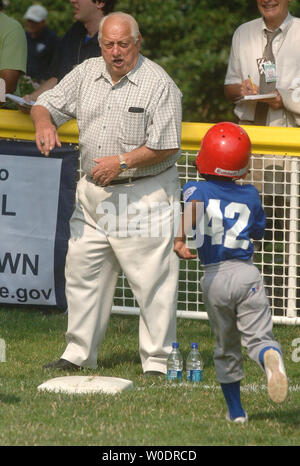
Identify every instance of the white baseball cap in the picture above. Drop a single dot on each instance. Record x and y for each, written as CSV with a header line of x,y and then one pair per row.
x,y
36,13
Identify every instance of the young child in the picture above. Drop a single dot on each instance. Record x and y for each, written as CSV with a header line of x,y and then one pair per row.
x,y
233,291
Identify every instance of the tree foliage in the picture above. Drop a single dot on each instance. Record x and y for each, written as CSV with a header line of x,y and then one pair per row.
x,y
191,39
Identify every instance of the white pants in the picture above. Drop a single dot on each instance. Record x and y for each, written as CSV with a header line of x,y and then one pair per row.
x,y
106,235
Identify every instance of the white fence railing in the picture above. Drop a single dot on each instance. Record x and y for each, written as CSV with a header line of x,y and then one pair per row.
x,y
277,255
277,178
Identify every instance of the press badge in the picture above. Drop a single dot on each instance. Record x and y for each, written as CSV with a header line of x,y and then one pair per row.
x,y
270,72
267,68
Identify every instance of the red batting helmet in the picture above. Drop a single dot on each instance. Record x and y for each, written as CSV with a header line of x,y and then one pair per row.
x,y
225,151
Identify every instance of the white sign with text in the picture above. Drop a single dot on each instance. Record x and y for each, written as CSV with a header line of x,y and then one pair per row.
x,y
29,193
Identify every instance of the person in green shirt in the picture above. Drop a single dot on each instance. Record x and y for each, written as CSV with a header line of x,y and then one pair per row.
x,y
13,50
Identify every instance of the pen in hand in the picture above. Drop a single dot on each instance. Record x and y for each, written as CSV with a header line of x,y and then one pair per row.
x,y
253,87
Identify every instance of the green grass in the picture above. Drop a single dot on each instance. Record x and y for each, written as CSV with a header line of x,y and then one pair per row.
x,y
153,413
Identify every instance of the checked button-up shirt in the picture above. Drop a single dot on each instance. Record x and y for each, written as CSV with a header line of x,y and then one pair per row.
x,y
143,108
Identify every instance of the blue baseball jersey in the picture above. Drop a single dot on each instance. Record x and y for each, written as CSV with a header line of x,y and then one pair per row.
x,y
232,216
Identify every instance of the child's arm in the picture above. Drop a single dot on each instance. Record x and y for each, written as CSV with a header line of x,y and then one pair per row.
x,y
188,220
259,223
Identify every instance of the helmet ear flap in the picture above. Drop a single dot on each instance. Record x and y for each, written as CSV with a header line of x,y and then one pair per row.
x,y
225,151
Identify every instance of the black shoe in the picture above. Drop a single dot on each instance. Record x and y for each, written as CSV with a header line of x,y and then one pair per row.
x,y
154,374
63,365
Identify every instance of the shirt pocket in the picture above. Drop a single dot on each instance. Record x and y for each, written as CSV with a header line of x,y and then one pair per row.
x,y
132,128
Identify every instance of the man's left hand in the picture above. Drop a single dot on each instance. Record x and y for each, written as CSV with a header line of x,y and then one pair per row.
x,y
106,170
275,102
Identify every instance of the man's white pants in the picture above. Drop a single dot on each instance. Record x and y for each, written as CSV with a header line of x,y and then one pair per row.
x,y
128,227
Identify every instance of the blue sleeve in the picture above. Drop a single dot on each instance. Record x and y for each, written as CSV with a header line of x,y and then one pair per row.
x,y
192,192
259,217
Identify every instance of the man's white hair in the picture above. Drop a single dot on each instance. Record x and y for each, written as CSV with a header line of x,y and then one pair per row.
x,y
134,27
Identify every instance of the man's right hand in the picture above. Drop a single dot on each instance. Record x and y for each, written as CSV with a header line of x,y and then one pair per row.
x,y
248,88
234,92
46,138
46,135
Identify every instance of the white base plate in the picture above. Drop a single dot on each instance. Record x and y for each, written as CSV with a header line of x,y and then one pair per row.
x,y
85,384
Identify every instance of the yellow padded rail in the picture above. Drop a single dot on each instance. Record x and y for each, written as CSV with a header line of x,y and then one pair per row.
x,y
265,140
15,124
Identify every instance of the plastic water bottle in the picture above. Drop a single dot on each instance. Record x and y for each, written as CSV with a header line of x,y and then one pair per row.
x,y
175,364
194,365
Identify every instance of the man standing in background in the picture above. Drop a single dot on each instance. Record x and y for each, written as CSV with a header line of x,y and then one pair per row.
x,y
13,50
264,50
79,43
42,43
265,59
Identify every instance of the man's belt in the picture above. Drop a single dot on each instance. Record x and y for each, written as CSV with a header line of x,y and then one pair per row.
x,y
128,180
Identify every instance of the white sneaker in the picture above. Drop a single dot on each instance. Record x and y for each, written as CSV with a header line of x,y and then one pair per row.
x,y
237,420
277,379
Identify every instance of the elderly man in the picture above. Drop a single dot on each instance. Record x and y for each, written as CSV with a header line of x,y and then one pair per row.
x,y
13,50
129,116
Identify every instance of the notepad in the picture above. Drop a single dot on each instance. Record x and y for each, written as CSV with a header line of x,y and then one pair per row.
x,y
255,97
19,100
